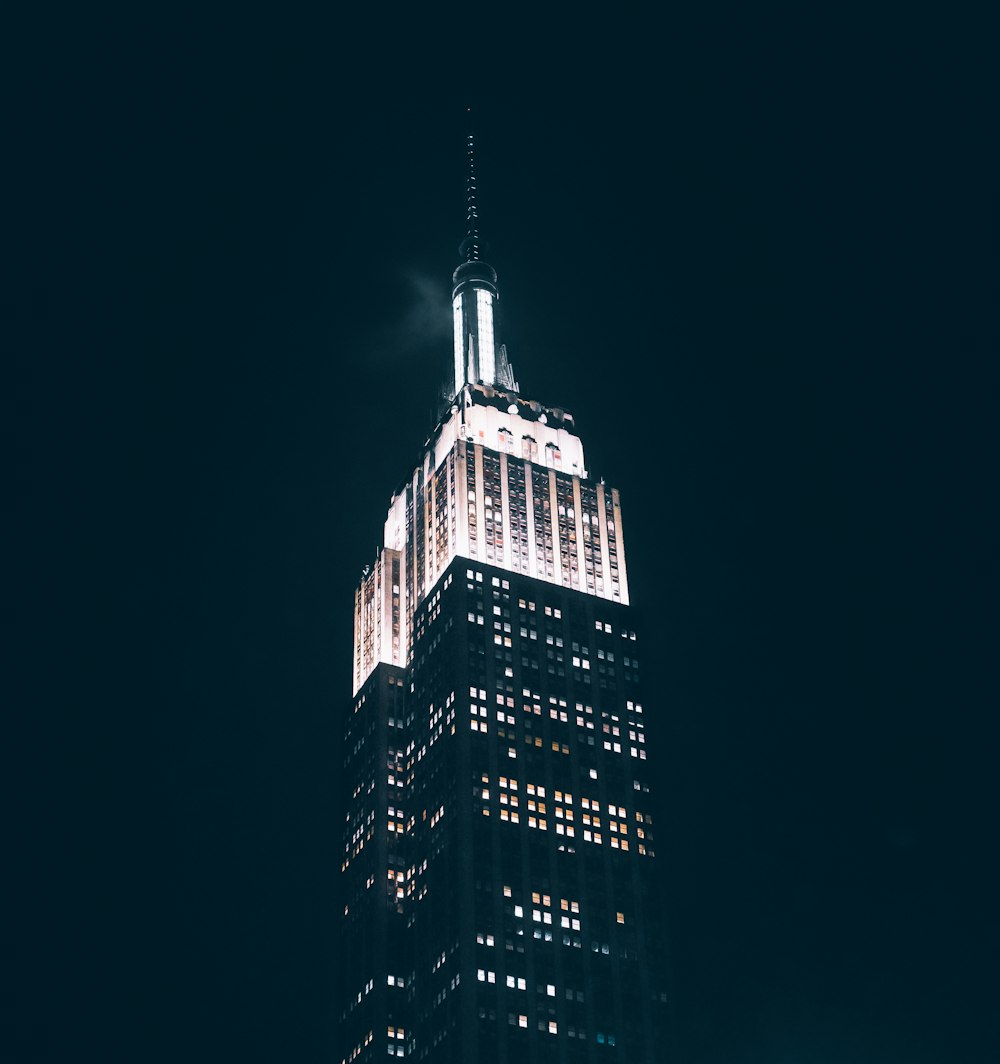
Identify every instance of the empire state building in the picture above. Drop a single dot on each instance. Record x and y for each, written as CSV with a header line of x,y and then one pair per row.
x,y
499,853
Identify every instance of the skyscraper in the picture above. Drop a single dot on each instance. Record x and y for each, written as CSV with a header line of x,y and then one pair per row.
x,y
498,845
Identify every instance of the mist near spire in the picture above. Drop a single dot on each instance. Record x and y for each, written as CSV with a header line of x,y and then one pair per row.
x,y
417,324
428,317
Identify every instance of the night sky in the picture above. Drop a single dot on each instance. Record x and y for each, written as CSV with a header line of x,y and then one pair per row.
x,y
747,251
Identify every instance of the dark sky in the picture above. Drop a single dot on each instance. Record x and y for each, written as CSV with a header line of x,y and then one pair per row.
x,y
747,250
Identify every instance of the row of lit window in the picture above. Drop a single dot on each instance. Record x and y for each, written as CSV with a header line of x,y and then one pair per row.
x,y
590,822
357,1050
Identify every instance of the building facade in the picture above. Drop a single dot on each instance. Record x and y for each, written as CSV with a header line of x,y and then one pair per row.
x,y
498,847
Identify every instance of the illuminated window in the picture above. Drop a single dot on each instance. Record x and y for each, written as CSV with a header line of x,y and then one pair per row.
x,y
487,353
459,353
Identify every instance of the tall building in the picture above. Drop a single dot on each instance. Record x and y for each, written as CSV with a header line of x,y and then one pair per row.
x,y
498,847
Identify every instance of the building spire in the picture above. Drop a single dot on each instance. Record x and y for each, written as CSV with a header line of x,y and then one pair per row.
x,y
470,246
478,358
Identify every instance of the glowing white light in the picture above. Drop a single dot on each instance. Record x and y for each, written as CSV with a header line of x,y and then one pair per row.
x,y
487,353
456,307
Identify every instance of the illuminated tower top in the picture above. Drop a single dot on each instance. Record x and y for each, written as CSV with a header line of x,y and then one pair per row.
x,y
502,480
478,357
